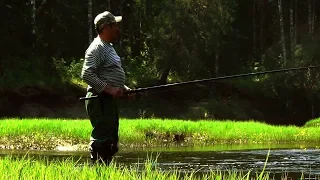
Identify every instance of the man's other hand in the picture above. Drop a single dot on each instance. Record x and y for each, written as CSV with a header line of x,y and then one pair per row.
x,y
129,94
113,91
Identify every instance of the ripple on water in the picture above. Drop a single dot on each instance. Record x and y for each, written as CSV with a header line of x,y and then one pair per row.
x,y
279,160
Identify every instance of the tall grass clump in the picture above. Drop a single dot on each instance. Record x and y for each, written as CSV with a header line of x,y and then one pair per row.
x,y
313,123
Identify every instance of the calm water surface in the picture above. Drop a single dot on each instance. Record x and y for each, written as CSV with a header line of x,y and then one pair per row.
x,y
292,159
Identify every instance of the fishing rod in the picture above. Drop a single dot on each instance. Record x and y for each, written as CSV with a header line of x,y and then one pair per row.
x,y
209,79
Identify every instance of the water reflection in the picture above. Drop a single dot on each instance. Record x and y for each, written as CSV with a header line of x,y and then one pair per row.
x,y
296,159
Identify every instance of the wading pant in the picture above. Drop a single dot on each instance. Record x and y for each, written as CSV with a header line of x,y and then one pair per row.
x,y
103,115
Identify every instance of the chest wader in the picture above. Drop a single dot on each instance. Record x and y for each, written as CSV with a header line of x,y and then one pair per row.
x,y
104,118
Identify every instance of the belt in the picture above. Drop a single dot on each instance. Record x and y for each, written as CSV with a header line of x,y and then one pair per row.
x,y
93,91
102,94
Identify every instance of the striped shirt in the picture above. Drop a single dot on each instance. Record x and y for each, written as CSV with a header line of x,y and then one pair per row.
x,y
102,66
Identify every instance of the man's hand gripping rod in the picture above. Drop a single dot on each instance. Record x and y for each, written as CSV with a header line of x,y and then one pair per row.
x,y
125,93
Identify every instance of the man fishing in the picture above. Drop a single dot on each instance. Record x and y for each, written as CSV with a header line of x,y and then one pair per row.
x,y
103,73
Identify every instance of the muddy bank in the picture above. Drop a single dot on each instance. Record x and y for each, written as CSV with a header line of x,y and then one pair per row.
x,y
33,101
52,143
209,101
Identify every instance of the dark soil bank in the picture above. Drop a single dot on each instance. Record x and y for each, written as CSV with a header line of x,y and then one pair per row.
x,y
216,100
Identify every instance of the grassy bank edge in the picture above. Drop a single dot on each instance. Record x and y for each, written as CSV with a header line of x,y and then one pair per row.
x,y
48,134
29,168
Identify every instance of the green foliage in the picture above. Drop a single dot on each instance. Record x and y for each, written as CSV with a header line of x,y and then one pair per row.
x,y
75,68
50,133
166,41
29,72
186,35
139,72
69,72
38,72
31,168
313,123
62,68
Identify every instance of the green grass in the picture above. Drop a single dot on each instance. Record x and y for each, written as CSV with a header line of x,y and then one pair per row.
x,y
48,133
30,168
313,123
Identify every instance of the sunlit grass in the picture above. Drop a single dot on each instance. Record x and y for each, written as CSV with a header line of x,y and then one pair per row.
x,y
142,132
30,168
313,123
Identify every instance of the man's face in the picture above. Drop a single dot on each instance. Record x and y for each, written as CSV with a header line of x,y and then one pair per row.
x,y
113,31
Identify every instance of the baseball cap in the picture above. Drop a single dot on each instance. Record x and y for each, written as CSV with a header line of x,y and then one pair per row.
x,y
106,18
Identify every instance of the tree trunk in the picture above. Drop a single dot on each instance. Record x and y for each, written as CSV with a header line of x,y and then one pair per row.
x,y
41,7
254,29
310,16
292,45
90,21
166,71
33,3
216,63
109,6
312,107
136,35
169,65
126,25
164,75
48,29
148,8
313,15
295,22
283,43
262,17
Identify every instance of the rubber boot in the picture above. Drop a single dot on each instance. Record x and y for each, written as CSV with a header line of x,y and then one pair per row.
x,y
107,152
103,153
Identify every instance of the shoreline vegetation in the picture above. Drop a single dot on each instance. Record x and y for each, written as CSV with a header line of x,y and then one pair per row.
x,y
64,134
28,168
48,134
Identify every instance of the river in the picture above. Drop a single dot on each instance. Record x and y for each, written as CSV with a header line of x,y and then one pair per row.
x,y
291,159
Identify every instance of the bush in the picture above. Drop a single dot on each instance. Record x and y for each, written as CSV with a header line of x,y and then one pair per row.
x,y
69,72
75,69
28,72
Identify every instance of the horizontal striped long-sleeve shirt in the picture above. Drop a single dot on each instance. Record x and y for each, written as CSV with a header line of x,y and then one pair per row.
x,y
102,66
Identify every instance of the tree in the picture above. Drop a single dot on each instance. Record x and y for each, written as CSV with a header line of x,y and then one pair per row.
x,y
33,3
292,29
262,4
282,33
254,24
188,35
90,21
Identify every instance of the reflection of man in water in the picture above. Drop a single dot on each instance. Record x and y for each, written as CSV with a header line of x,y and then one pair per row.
x,y
104,75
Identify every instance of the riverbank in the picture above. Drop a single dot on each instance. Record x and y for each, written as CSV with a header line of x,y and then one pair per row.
x,y
29,168
73,135
223,100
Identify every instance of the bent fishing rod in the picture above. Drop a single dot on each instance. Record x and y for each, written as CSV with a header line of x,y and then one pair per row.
x,y
209,79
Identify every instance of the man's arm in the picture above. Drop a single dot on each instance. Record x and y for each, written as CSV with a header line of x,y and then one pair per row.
x,y
89,75
89,72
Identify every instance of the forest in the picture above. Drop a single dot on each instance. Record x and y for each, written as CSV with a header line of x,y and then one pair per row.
x,y
164,42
